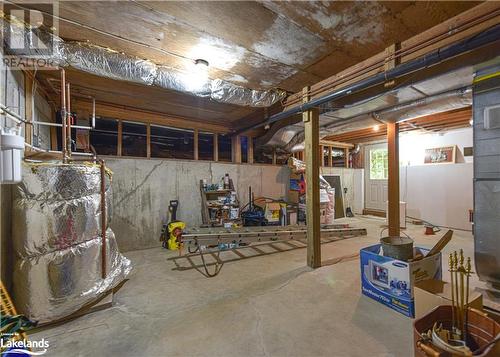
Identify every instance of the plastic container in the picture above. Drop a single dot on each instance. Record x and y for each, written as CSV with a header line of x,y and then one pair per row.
x,y
400,248
11,146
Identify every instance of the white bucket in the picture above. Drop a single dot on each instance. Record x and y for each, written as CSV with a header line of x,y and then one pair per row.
x,y
11,146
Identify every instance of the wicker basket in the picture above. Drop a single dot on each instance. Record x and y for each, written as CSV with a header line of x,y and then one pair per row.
x,y
7,308
481,331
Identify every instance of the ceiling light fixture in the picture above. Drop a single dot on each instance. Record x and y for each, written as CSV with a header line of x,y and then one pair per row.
x,y
376,127
201,63
196,79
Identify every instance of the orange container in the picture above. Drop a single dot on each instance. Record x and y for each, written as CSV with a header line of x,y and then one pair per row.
x,y
481,331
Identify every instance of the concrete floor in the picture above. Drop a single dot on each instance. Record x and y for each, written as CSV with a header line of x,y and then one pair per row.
x,y
264,306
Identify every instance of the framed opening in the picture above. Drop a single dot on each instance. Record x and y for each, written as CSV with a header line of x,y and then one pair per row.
x,y
104,138
225,147
134,142
173,143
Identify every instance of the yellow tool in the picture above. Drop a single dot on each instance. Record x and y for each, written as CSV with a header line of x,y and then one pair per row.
x,y
175,235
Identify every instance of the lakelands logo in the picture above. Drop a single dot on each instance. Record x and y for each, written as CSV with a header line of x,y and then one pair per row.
x,y
27,34
23,347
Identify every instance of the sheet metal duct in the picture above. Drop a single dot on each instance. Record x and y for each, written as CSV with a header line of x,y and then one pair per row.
x,y
105,62
57,241
443,93
487,175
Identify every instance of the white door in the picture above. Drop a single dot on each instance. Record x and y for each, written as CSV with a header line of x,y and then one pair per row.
x,y
376,176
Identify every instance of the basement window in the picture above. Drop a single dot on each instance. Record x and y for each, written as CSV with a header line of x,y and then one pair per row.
x,y
205,146
379,164
172,143
104,138
262,155
225,148
244,148
134,141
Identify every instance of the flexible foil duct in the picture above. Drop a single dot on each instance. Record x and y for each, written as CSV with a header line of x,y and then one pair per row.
x,y
105,62
58,243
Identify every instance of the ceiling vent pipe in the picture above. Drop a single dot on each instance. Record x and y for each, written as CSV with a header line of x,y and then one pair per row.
x,y
108,63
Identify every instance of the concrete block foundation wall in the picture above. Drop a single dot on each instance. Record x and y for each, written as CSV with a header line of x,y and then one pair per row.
x,y
143,188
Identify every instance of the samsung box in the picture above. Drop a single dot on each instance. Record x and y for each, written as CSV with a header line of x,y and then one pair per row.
x,y
391,281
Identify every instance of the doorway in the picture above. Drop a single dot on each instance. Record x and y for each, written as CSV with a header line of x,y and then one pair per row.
x,y
376,164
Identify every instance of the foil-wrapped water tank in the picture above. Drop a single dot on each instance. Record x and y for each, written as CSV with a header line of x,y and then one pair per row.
x,y
58,241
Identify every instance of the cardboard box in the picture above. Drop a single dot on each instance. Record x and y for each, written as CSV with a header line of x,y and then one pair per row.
x,y
431,293
272,212
391,281
293,196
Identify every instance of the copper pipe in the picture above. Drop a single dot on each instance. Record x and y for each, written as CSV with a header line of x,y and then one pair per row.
x,y
63,114
103,218
69,119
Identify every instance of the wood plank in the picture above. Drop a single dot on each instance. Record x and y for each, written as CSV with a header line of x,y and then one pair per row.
x,y
311,128
195,142
216,147
393,179
148,140
119,145
250,149
236,149
104,109
330,157
346,157
336,144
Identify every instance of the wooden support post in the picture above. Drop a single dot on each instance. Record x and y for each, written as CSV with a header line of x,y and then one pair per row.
x,y
393,178
346,156
311,124
148,140
236,146
330,157
321,156
119,144
28,105
274,156
195,144
216,147
250,149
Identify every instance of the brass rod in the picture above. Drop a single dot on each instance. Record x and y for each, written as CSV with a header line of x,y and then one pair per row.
x,y
450,264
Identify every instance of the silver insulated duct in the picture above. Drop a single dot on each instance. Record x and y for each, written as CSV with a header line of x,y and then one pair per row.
x,y
57,241
443,93
105,62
